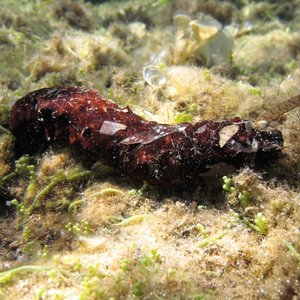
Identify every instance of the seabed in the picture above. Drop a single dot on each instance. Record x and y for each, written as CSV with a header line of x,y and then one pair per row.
x,y
72,228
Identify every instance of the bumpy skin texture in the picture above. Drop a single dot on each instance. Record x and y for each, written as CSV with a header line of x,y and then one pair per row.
x,y
161,154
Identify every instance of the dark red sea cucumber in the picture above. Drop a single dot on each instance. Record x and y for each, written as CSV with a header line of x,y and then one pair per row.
x,y
159,153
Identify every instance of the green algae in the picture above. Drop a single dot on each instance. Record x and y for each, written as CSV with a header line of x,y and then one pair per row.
x,y
108,192
292,250
211,240
9,275
133,220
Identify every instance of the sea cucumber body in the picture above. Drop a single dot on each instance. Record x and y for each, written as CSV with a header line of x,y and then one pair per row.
x,y
159,153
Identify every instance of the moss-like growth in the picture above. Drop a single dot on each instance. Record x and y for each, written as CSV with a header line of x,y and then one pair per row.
x,y
74,13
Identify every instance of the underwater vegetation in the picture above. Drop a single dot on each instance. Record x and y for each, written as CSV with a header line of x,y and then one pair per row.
x,y
72,227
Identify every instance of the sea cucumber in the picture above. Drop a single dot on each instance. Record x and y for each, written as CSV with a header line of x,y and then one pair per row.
x,y
144,150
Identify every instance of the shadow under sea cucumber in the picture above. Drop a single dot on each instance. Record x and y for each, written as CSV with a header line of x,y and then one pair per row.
x,y
144,150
